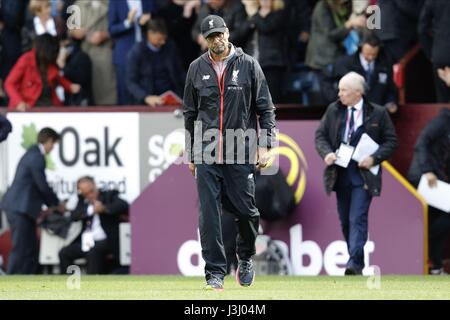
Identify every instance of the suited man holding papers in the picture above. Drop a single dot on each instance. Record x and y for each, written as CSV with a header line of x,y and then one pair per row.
x,y
432,161
340,131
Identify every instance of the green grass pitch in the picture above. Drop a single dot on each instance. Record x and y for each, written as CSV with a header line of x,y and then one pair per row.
x,y
191,288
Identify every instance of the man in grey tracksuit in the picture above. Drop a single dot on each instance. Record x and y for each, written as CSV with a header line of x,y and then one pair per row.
x,y
225,91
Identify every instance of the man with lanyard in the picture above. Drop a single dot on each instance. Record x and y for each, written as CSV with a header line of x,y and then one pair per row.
x,y
341,129
225,91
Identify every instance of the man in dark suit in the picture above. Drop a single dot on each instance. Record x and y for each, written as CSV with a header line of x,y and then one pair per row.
x,y
341,129
5,128
154,67
372,64
432,159
126,18
100,212
23,201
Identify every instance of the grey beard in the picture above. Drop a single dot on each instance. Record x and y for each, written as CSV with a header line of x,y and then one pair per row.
x,y
218,51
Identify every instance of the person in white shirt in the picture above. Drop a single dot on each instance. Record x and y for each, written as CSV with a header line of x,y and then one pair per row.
x,y
43,21
101,212
39,21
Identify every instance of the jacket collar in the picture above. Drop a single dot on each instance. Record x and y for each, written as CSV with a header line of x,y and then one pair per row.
x,y
37,148
41,149
144,46
367,108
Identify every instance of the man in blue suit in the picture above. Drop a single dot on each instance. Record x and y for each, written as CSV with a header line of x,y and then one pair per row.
x,y
341,129
23,201
126,18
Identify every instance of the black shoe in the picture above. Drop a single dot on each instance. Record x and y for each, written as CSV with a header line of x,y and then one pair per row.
x,y
214,283
352,272
245,275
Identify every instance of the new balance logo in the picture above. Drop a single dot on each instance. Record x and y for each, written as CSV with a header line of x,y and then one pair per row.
x,y
206,77
235,76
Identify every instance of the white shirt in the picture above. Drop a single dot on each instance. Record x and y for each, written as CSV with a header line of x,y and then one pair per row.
x,y
97,231
49,27
357,118
135,4
365,64
41,148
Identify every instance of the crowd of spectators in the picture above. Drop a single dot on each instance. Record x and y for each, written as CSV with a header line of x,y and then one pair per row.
x,y
294,41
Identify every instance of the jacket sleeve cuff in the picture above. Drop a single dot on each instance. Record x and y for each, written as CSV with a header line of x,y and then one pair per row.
x,y
377,159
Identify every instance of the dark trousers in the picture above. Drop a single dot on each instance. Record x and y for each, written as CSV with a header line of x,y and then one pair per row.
x,y
96,257
231,187
439,230
122,91
23,258
353,207
229,234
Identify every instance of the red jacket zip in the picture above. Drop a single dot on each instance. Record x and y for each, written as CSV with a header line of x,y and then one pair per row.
x,y
221,83
222,93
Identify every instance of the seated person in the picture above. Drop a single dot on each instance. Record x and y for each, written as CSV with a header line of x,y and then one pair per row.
x,y
154,67
432,159
372,64
99,211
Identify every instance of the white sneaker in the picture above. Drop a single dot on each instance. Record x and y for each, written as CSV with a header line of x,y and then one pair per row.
x,y
437,271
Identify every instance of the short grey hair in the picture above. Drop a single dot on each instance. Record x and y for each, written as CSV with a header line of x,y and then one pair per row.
x,y
355,80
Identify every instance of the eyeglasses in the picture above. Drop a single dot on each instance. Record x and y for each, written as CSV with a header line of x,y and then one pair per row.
x,y
214,36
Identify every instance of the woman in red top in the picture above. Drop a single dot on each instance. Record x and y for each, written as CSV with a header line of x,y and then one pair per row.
x,y
33,80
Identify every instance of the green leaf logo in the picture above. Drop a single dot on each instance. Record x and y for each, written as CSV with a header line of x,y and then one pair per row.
x,y
29,138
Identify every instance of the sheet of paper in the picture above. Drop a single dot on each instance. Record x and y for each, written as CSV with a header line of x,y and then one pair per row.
x,y
87,241
366,147
438,196
344,155
375,169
